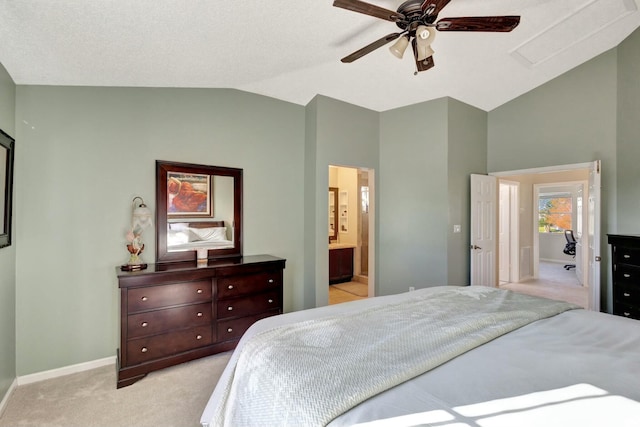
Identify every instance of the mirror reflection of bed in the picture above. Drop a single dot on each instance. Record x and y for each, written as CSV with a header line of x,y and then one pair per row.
x,y
187,236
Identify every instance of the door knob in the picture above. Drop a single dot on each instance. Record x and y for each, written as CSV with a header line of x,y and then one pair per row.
x,y
475,247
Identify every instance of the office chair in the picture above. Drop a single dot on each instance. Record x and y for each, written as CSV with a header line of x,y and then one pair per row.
x,y
570,247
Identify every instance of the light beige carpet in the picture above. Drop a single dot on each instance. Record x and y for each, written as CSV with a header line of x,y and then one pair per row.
x,y
554,282
172,397
355,288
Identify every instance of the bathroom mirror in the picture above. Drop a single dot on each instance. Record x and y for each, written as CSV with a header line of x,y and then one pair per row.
x,y
333,214
6,187
198,208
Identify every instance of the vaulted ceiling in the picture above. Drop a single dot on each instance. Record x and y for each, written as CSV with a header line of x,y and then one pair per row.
x,y
291,50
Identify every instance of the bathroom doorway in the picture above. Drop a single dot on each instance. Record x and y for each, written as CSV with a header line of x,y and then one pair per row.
x,y
351,248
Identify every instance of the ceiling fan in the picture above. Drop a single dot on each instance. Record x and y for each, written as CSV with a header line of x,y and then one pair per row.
x,y
417,20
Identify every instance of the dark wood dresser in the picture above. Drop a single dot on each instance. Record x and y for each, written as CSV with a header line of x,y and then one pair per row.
x,y
173,313
625,251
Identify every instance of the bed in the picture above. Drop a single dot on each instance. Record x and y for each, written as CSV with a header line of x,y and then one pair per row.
x,y
390,361
187,236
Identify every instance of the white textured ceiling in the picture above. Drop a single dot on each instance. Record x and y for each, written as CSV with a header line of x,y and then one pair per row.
x,y
291,49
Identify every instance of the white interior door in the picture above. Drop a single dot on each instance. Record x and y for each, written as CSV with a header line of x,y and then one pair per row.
x,y
484,245
593,231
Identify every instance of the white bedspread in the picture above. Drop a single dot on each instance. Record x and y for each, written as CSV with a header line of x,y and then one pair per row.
x,y
311,372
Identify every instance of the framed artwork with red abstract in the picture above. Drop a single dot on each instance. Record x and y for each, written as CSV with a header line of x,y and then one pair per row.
x,y
189,195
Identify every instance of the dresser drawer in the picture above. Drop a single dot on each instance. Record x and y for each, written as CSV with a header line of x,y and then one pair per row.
x,y
626,275
626,310
229,287
627,255
626,294
154,322
234,328
145,349
152,297
254,304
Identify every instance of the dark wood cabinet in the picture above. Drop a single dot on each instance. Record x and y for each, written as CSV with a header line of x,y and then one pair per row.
x,y
340,265
173,313
625,251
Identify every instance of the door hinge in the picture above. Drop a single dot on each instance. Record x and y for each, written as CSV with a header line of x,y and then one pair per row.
x,y
598,259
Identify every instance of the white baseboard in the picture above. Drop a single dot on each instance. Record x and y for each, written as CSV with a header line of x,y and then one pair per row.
x,y
65,370
7,395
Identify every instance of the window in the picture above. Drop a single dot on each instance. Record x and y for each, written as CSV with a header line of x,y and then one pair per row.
x,y
555,212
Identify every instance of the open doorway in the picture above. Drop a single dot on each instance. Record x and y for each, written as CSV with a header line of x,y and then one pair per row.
x,y
538,264
350,251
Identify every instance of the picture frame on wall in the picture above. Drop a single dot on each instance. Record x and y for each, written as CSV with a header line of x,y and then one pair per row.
x,y
189,195
7,145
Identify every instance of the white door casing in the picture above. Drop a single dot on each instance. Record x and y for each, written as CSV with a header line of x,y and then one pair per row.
x,y
484,239
504,226
593,231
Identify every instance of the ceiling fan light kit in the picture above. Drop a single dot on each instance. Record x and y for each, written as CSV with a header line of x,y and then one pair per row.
x,y
424,37
399,47
417,20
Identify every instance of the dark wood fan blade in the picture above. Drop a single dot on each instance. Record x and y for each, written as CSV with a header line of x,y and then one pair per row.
x,y
369,9
371,47
479,23
425,64
433,7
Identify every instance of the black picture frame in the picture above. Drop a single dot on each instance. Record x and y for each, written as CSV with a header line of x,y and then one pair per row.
x,y
7,146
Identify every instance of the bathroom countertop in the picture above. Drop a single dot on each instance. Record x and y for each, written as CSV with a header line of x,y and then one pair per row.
x,y
341,246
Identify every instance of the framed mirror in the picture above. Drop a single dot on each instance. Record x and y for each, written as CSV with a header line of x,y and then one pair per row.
x,y
198,208
333,214
6,187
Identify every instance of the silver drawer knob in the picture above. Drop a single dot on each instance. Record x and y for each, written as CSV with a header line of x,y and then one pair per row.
x,y
144,298
270,301
270,280
627,256
626,294
626,275
230,308
144,324
144,349
230,287
199,291
199,337
229,330
199,314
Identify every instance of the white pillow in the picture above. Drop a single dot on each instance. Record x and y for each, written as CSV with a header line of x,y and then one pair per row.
x,y
178,226
212,234
177,237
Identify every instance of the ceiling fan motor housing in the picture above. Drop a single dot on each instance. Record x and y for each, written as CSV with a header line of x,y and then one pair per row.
x,y
412,10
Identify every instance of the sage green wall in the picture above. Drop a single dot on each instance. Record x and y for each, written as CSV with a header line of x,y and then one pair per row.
x,y
628,151
467,154
86,152
7,254
424,191
413,208
311,246
571,119
345,135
